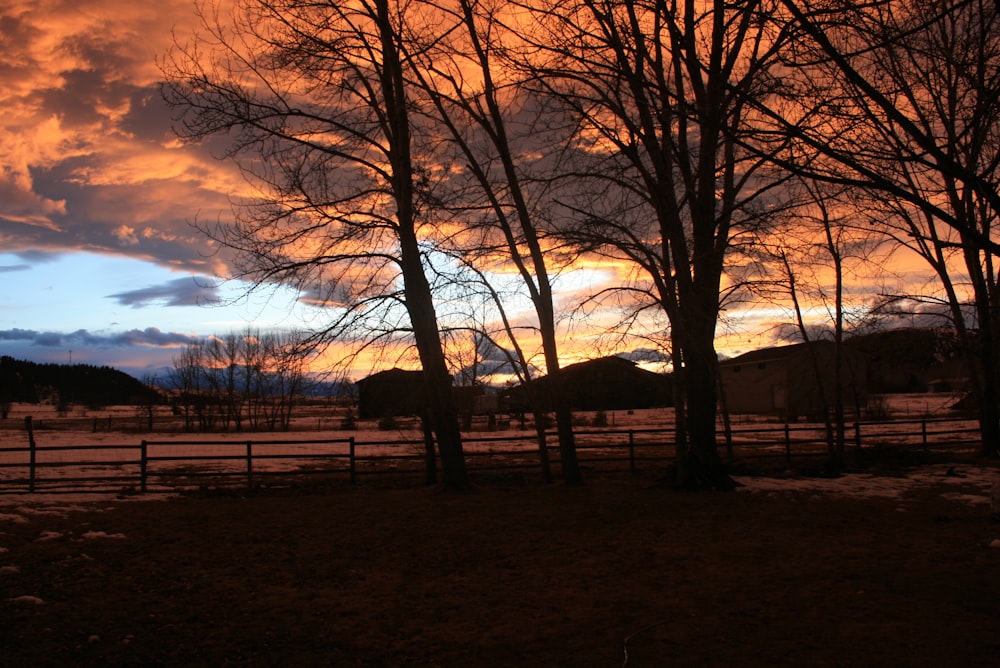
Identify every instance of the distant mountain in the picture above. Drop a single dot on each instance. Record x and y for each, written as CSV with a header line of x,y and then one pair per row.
x,y
93,386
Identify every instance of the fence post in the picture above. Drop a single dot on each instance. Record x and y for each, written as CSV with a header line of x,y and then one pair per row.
x,y
788,446
31,453
350,461
143,464
631,451
249,463
923,432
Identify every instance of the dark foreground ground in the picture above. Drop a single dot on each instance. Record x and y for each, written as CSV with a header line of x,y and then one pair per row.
x,y
614,573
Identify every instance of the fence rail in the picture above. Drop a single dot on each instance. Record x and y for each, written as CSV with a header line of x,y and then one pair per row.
x,y
168,465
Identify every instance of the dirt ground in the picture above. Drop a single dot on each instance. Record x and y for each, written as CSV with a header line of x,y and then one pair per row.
x,y
617,572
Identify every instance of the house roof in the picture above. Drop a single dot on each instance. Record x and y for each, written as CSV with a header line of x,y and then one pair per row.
x,y
612,362
391,373
771,354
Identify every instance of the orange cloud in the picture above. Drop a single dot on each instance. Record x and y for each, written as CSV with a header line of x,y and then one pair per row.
x,y
81,113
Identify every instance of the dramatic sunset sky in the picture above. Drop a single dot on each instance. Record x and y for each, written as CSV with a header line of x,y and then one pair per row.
x,y
100,263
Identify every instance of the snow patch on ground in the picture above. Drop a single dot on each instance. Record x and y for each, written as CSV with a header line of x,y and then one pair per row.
x,y
46,536
974,483
970,499
92,535
61,511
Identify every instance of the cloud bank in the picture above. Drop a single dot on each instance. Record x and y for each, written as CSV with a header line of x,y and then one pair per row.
x,y
150,337
88,160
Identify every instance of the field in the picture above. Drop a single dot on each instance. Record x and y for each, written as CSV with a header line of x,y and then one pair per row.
x,y
894,565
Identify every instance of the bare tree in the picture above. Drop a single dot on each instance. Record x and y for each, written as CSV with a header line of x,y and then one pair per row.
x,y
851,43
659,90
247,379
313,100
284,378
493,125
503,335
223,355
149,400
811,263
915,92
252,362
185,383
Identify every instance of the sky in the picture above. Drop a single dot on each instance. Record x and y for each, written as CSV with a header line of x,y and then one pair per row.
x,y
100,259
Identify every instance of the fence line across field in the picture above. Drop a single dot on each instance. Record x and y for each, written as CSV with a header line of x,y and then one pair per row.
x,y
181,463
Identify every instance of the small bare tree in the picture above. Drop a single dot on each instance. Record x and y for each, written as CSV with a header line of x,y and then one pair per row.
x,y
810,263
185,383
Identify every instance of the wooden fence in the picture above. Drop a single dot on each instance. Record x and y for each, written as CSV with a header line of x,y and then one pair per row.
x,y
177,464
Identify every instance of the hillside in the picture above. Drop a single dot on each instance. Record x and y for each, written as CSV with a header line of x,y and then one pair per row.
x,y
60,384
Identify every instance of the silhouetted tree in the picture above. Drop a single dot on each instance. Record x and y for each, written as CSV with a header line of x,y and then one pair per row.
x,y
901,100
314,101
492,125
809,261
661,175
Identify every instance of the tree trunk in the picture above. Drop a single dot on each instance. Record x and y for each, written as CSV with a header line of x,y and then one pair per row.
x,y
441,409
699,466
569,463
430,458
543,446
988,384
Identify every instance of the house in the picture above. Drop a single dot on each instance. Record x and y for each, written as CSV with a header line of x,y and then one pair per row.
x,y
391,393
791,381
607,383
401,393
912,360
